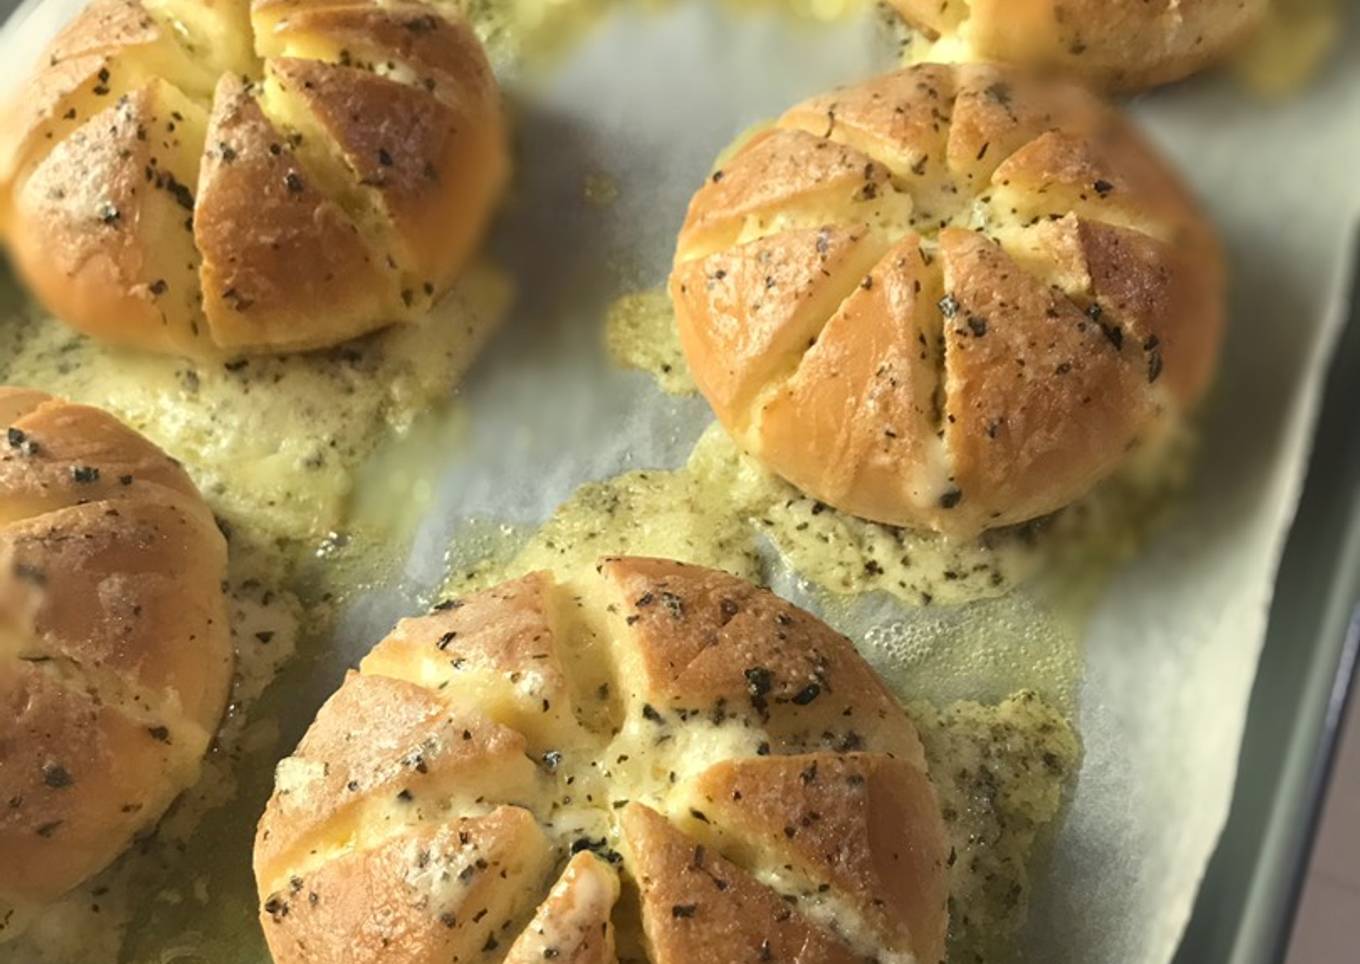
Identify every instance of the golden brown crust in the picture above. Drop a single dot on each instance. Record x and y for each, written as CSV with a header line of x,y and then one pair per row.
x,y
564,705
769,298
1029,420
875,356
76,811
274,246
153,197
381,743
498,649
104,225
973,339
865,824
699,908
446,892
1120,44
704,638
113,639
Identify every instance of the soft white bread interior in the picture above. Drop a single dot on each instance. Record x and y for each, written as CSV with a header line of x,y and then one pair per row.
x,y
1118,44
730,757
226,177
115,654
947,298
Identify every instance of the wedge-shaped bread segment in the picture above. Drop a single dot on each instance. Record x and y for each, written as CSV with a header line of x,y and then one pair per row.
x,y
573,925
1146,290
447,892
858,837
404,164
855,425
698,908
56,440
498,650
811,367
1106,174
992,118
407,39
383,758
1018,356
273,245
113,48
121,778
900,120
785,173
763,303
109,568
110,219
697,639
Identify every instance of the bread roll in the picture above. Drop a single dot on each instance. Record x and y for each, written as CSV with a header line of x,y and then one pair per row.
x,y
948,298
221,178
735,760
1119,44
116,654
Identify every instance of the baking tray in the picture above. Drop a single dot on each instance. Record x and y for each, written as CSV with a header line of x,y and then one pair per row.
x,y
1247,904
1245,908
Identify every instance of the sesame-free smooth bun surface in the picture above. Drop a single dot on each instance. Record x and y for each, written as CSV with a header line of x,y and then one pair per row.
x,y
949,298
115,654
1120,44
225,177
722,775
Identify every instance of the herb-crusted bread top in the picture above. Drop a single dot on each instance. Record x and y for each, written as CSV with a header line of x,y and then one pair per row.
x,y
730,756
1118,44
228,177
947,298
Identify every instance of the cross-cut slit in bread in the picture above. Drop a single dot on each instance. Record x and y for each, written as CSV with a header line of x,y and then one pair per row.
x,y
386,114
1054,191
693,670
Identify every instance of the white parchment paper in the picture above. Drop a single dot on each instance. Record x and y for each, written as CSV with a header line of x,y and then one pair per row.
x,y
648,100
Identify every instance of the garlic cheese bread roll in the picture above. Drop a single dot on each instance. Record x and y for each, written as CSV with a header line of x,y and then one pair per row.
x,y
115,655
226,177
948,298
722,759
1119,44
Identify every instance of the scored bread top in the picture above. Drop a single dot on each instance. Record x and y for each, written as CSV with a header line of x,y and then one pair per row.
x,y
949,297
736,760
115,654
1120,44
228,177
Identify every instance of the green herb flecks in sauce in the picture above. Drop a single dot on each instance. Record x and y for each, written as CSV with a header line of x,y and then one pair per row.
x,y
640,333
721,506
1000,772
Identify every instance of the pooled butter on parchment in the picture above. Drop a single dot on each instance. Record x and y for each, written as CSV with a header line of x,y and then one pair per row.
x,y
639,332
1000,772
273,442
537,31
721,508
